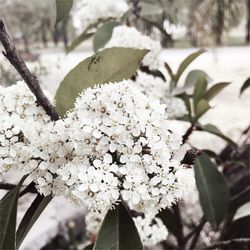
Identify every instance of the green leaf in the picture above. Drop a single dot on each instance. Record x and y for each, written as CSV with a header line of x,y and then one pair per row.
x,y
63,8
8,213
118,231
171,222
186,62
103,34
245,85
170,71
213,190
215,90
83,37
201,108
242,211
210,128
193,76
31,216
211,154
109,65
199,90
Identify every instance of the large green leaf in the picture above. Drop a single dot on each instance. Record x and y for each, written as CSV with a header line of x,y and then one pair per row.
x,y
31,216
201,108
83,37
186,62
193,77
63,8
199,91
103,34
118,231
8,213
109,65
215,90
213,190
245,85
210,128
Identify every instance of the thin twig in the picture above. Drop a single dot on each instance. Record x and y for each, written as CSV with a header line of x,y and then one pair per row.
x,y
7,186
31,188
196,228
197,233
188,133
15,59
241,241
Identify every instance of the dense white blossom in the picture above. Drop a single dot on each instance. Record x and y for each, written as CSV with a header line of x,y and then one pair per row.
x,y
21,120
123,148
130,37
89,12
150,228
157,88
116,143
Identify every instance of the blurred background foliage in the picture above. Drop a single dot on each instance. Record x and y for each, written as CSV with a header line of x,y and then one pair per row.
x,y
179,23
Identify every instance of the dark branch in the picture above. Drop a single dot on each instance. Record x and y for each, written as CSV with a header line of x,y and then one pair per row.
x,y
7,186
233,242
188,133
197,233
15,59
196,228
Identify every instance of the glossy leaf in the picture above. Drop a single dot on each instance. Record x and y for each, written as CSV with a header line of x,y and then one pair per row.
x,y
213,190
245,85
215,90
242,211
83,37
31,216
194,75
199,90
103,34
186,62
63,8
109,65
8,213
170,71
118,231
210,128
201,108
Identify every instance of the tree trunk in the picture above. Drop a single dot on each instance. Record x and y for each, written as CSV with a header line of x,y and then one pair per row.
x,y
44,35
56,35
219,22
248,21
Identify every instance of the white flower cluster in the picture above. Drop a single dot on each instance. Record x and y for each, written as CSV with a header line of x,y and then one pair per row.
x,y
20,122
158,89
123,147
89,12
116,143
130,37
151,229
